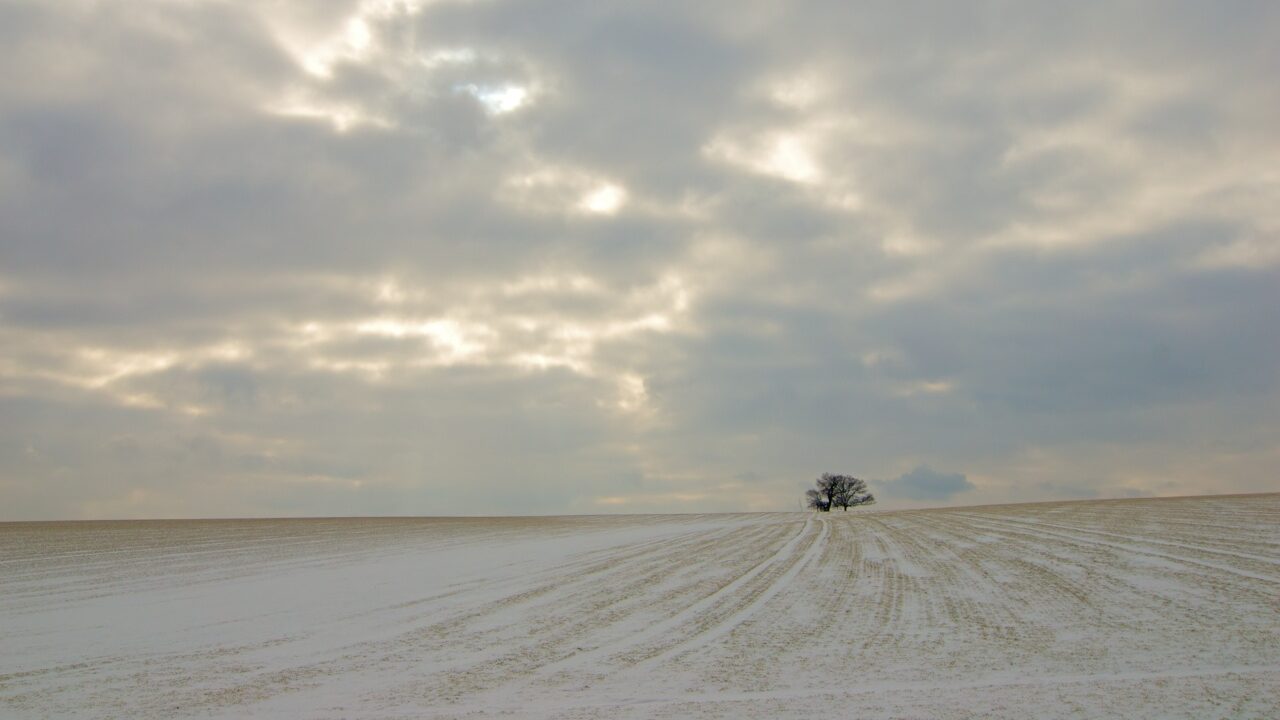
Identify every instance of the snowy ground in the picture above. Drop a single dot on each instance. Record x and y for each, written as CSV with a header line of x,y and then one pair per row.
x,y
1138,608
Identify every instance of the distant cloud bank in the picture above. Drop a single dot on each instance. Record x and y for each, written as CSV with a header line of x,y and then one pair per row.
x,y
925,483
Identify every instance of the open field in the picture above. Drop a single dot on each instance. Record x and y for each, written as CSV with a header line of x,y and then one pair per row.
x,y
1135,608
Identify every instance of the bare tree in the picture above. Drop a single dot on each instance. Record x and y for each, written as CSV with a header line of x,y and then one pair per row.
x,y
842,491
817,501
851,492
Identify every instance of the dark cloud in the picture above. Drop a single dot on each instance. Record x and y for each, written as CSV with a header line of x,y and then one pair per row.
x,y
924,483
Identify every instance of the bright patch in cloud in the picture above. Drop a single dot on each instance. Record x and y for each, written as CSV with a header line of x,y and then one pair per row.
x,y
558,189
318,50
342,117
110,366
458,342
605,200
351,44
905,245
799,91
497,100
453,56
926,387
633,395
785,155
568,283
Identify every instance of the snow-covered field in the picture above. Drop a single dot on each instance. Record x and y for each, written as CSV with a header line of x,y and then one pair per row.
x,y
1136,608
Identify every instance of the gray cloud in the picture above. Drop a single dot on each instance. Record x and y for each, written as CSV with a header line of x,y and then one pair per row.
x,y
551,257
925,483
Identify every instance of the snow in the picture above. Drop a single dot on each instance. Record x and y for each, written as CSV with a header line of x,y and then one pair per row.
x,y
1164,608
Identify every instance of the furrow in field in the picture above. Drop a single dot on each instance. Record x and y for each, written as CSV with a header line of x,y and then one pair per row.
x,y
955,609
1134,598
997,697
603,617
810,621
629,657
708,633
1136,540
1039,530
529,623
595,567
237,672
965,590
657,632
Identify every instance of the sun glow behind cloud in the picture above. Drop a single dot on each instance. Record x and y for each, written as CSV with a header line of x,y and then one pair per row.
x,y
560,189
604,200
318,44
365,41
496,99
518,339
786,155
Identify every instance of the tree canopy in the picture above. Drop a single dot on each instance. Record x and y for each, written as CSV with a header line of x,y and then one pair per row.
x,y
838,491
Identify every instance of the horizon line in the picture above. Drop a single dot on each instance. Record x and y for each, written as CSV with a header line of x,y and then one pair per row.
x,y
622,514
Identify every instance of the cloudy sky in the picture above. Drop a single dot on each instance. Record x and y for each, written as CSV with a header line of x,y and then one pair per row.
x,y
336,257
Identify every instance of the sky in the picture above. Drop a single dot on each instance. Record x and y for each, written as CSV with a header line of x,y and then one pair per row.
x,y
336,257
